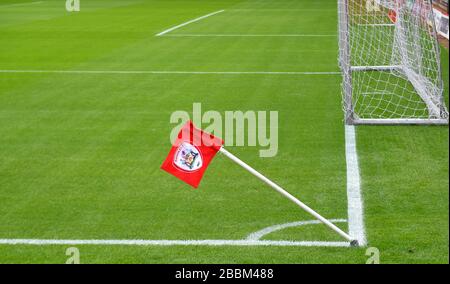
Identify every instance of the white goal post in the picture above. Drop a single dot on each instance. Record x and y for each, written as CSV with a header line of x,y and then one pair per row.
x,y
390,62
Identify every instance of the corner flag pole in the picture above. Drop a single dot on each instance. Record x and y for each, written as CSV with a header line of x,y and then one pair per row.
x,y
289,196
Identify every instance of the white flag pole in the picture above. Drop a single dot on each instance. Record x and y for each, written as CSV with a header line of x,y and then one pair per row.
x,y
288,195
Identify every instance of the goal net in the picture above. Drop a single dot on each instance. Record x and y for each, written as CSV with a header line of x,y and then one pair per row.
x,y
390,60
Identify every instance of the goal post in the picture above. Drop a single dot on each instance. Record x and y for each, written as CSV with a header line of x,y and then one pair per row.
x,y
389,57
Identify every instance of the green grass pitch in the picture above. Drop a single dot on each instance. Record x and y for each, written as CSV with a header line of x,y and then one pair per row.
x,y
80,153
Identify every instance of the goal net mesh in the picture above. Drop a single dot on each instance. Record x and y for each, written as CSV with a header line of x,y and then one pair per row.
x,y
389,56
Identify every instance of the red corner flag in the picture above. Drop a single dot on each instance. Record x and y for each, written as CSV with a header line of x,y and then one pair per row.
x,y
392,16
193,151
191,154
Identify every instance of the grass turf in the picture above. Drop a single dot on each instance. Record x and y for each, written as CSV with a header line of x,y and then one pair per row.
x,y
80,153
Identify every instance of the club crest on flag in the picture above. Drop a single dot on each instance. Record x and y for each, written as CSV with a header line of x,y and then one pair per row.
x,y
188,158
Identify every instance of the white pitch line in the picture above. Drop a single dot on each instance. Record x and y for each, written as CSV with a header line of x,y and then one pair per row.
x,y
251,35
43,242
170,72
354,198
189,22
252,240
20,4
261,233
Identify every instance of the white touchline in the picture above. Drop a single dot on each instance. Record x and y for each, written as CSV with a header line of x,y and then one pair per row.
x,y
173,72
253,239
189,22
354,198
251,35
43,242
20,4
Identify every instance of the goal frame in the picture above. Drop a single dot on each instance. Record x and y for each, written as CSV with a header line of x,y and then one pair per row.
x,y
351,118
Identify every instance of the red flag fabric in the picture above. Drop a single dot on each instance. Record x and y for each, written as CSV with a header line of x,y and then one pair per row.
x,y
392,16
191,154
